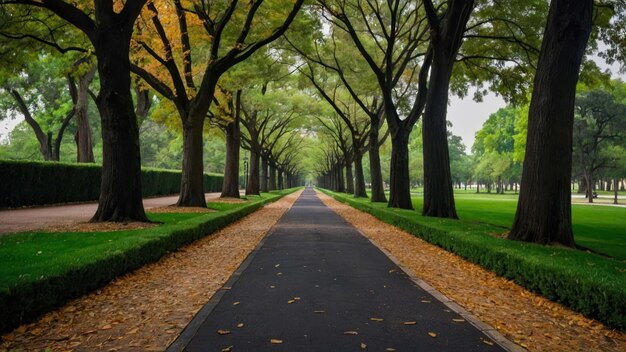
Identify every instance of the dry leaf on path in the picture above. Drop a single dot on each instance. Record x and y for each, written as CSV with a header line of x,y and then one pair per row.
x,y
409,323
350,332
240,325
458,320
376,319
276,341
223,332
432,334
227,349
363,346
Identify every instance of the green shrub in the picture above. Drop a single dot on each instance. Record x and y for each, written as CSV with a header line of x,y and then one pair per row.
x,y
24,183
588,283
23,299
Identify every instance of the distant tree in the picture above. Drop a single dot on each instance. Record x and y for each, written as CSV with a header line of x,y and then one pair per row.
x,y
599,122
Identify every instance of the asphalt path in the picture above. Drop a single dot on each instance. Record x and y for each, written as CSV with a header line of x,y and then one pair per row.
x,y
27,219
317,284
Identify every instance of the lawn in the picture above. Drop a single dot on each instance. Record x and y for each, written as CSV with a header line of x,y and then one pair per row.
x,y
599,228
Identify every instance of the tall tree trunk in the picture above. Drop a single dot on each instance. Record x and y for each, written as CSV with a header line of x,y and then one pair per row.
x,y
264,176
349,177
272,181
376,175
359,187
192,178
341,185
120,190
544,212
83,136
589,181
446,41
281,183
230,186
399,185
252,187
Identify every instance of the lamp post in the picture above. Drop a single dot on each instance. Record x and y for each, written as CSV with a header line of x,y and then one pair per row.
x,y
245,170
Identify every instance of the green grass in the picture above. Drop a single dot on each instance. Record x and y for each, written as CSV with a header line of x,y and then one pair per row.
x,y
589,283
42,270
599,228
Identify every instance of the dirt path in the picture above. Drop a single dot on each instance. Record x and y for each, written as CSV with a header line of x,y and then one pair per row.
x,y
147,309
27,219
520,315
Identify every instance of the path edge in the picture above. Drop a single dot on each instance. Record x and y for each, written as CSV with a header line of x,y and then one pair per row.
x,y
486,329
189,332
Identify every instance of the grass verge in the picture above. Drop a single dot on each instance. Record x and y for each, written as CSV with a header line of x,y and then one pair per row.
x,y
590,284
40,271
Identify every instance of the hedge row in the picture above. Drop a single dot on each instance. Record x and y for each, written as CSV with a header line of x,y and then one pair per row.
x,y
592,285
25,301
24,183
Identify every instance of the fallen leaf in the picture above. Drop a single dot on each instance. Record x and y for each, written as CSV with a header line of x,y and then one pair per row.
x,y
432,334
390,349
363,346
276,341
425,301
236,303
223,332
276,266
409,323
458,320
488,342
272,286
296,298
279,273
376,319
350,332
290,301
106,327
240,325
133,331
227,349
319,311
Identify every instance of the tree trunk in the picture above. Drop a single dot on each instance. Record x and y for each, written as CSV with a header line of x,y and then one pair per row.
x,y
359,187
264,167
44,144
83,136
378,188
400,188
230,186
281,183
589,181
349,177
272,181
252,188
57,142
192,178
438,192
120,190
341,185
544,212
615,191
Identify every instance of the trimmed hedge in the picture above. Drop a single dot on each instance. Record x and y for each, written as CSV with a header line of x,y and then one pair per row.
x,y
25,301
590,284
24,183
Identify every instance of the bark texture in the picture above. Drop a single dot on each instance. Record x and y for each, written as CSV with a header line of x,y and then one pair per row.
x,y
400,186
230,186
83,136
544,209
378,189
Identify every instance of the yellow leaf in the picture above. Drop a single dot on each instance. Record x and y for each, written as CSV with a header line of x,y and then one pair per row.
x,y
240,325
488,342
236,303
106,327
276,341
223,332
376,319
432,334
409,323
290,301
350,332
458,320
363,346
227,349
425,301
296,298
390,349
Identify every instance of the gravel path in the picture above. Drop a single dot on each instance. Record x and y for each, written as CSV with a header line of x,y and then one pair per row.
x,y
27,219
147,309
528,319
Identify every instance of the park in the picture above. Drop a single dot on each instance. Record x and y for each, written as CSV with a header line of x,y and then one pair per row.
x,y
312,175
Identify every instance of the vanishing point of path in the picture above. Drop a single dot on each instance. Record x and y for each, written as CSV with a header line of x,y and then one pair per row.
x,y
316,284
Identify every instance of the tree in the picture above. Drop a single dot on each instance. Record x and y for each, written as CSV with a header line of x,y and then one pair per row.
x,y
544,208
599,121
234,32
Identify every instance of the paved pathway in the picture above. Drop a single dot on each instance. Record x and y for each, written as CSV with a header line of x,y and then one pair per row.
x,y
26,219
316,283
